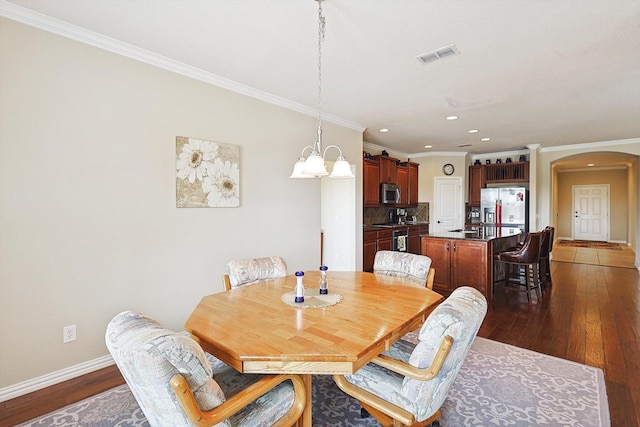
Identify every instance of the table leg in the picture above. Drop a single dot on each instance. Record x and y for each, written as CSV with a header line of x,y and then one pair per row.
x,y
306,419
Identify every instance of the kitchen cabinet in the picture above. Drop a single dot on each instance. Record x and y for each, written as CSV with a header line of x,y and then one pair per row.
x,y
407,173
371,183
374,241
388,170
500,173
369,249
403,177
457,263
476,182
412,183
414,237
507,172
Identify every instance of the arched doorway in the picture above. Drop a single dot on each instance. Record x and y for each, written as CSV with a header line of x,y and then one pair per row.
x,y
616,170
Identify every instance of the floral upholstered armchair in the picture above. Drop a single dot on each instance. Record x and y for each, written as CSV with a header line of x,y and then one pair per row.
x,y
408,384
175,384
247,271
416,268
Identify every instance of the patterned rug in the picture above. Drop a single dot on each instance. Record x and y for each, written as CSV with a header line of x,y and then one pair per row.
x,y
588,244
498,385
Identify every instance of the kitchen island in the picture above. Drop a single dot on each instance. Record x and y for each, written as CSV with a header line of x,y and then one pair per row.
x,y
465,258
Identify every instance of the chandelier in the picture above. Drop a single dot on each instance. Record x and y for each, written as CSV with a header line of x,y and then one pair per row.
x,y
314,165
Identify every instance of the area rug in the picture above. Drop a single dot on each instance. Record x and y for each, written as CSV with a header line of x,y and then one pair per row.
x,y
498,385
588,244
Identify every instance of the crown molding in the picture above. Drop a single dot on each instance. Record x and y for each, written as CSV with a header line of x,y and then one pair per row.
x,y
64,29
593,169
591,145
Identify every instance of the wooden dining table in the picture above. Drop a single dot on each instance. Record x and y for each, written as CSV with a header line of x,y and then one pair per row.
x,y
254,330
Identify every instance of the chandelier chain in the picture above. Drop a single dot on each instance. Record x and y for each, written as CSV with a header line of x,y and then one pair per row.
x,y
321,27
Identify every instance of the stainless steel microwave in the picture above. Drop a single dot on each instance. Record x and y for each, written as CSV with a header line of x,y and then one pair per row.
x,y
389,193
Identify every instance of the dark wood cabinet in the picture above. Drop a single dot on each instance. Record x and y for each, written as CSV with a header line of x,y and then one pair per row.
x,y
407,173
469,266
374,241
439,250
414,237
388,170
369,249
380,169
371,183
413,183
457,263
507,172
403,181
476,182
385,240
481,175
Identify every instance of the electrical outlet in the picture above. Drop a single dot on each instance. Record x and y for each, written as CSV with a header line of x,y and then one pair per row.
x,y
68,334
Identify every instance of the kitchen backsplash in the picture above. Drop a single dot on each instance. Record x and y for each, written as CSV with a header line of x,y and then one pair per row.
x,y
381,214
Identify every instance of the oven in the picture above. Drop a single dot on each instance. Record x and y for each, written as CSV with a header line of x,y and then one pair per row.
x,y
400,240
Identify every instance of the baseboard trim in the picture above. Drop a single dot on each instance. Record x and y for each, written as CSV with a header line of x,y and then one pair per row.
x,y
53,378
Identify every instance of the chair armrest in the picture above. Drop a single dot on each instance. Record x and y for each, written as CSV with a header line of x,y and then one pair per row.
x,y
240,400
377,403
226,282
422,374
430,276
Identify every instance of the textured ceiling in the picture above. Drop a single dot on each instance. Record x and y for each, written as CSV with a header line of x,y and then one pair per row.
x,y
529,72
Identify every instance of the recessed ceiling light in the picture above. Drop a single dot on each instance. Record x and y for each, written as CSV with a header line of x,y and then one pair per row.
x,y
452,117
383,130
589,164
428,146
473,131
485,139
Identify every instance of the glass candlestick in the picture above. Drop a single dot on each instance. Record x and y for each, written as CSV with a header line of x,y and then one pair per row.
x,y
323,280
299,287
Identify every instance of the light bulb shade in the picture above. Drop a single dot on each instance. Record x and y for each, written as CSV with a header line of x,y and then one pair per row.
x,y
341,169
298,170
315,166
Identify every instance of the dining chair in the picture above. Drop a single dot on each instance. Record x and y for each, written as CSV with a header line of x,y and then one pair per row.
x,y
416,268
176,384
242,272
408,384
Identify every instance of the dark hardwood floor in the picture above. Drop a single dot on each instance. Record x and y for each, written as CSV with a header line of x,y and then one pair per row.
x,y
591,315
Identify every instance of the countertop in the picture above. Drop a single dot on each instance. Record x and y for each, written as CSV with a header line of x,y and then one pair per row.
x,y
481,234
392,226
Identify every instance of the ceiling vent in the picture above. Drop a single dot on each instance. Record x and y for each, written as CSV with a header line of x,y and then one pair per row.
x,y
441,53
464,145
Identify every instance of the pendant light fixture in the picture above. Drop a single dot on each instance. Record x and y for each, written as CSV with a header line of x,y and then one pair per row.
x,y
314,165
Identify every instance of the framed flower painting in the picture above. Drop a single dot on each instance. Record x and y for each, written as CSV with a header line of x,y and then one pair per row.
x,y
208,174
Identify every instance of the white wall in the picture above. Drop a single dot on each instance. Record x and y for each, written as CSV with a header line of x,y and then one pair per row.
x,y
88,223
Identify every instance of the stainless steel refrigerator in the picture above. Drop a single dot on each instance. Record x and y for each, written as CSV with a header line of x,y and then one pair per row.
x,y
505,207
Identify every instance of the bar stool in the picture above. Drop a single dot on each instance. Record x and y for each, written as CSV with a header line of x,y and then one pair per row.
x,y
545,251
528,258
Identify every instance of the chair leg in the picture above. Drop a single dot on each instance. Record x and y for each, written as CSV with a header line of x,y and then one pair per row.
x,y
536,281
527,281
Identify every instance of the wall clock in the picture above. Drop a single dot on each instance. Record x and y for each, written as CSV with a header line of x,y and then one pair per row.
x,y
448,169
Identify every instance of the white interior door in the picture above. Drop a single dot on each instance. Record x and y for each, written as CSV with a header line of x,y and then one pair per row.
x,y
447,204
591,212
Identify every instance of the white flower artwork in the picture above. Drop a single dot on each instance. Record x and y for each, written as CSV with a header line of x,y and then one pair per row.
x,y
208,174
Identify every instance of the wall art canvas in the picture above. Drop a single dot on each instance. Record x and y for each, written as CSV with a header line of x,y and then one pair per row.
x,y
208,174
